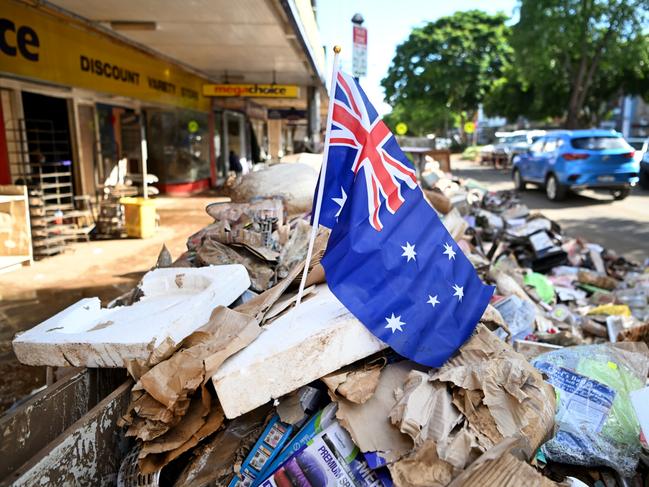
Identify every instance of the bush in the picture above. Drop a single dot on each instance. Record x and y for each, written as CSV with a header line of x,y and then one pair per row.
x,y
471,153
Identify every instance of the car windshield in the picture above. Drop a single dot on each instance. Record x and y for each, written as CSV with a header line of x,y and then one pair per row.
x,y
517,138
637,145
599,143
512,139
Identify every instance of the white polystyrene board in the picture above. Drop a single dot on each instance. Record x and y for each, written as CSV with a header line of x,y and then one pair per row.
x,y
317,338
176,302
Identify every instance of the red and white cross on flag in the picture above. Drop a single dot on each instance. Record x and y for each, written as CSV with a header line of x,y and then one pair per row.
x,y
352,126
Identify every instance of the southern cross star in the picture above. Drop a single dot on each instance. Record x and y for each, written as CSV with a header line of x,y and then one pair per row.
x,y
409,251
459,292
394,323
340,201
448,250
433,300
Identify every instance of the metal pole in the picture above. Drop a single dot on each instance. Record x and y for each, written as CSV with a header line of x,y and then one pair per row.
x,y
144,152
323,175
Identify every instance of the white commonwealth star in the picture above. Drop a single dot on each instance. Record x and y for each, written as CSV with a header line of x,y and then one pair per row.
x,y
409,251
433,300
394,323
448,250
459,292
340,201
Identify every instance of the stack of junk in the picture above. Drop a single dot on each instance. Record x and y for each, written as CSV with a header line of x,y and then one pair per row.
x,y
233,385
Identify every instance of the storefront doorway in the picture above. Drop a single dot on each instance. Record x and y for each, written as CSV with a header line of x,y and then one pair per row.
x,y
47,133
41,157
236,141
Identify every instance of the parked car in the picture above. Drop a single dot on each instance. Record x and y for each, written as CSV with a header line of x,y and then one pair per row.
x,y
641,146
571,160
513,145
644,170
487,151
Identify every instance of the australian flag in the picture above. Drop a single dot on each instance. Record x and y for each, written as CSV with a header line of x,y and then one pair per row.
x,y
389,259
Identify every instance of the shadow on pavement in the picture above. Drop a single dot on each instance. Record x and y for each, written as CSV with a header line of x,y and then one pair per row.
x,y
534,197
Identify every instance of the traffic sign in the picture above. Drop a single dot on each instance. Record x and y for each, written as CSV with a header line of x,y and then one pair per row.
x,y
401,128
359,52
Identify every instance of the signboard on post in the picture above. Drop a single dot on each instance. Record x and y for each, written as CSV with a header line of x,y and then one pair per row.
x,y
359,52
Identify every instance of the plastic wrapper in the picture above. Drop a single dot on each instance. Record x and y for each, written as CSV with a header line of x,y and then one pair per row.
x,y
596,423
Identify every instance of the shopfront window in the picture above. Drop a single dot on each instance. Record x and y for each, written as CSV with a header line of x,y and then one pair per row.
x,y
178,145
120,138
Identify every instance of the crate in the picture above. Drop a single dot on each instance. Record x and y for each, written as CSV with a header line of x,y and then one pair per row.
x,y
141,217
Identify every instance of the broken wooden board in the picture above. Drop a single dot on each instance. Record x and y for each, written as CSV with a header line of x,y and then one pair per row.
x,y
88,453
30,426
317,338
176,302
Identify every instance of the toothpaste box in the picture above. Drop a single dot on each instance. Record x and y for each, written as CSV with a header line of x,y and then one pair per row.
x,y
268,446
329,459
317,423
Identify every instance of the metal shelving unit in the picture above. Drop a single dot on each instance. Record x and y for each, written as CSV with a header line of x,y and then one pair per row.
x,y
38,154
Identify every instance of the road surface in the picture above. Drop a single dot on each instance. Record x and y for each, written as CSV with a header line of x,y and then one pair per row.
x,y
622,226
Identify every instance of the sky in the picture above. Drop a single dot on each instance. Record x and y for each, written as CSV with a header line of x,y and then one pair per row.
x,y
388,24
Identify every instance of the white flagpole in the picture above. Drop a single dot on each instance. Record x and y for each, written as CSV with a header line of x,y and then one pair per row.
x,y
323,174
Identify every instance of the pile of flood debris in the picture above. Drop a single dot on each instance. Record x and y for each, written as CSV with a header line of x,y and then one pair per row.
x,y
234,385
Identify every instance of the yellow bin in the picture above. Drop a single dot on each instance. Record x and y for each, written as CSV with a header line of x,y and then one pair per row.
x,y
140,217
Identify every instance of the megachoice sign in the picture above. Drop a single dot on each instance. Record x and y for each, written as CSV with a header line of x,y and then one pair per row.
x,y
252,90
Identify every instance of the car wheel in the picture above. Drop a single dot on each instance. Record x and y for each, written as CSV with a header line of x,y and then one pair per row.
x,y
554,190
620,194
519,184
644,178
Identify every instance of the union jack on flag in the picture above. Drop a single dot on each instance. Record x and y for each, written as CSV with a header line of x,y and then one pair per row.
x,y
389,258
359,128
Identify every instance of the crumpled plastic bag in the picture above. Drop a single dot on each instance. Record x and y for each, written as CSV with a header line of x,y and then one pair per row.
x,y
597,425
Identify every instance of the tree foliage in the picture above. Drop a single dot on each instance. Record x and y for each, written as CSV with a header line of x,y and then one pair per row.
x,y
421,118
573,58
448,65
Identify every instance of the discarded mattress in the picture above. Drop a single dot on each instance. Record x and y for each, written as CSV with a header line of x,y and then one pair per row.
x,y
317,338
176,302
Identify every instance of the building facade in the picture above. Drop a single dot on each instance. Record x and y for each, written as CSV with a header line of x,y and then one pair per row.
x,y
102,89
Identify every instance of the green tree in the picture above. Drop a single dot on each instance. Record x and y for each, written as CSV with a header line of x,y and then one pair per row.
x,y
450,64
421,118
575,57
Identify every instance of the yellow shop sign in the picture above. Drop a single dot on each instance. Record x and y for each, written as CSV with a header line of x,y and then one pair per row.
x,y
252,90
37,45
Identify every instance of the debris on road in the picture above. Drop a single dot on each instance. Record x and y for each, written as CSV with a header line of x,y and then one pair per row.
x,y
245,389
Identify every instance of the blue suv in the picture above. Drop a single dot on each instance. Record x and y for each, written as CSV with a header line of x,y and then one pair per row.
x,y
578,159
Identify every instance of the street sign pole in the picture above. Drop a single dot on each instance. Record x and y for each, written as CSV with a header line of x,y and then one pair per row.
x,y
359,50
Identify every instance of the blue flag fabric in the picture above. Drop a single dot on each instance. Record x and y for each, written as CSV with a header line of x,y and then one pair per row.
x,y
389,259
